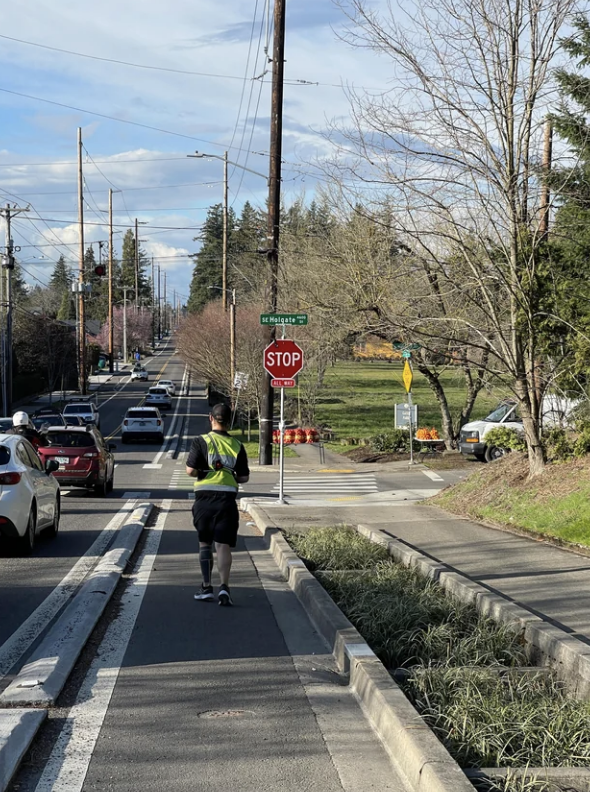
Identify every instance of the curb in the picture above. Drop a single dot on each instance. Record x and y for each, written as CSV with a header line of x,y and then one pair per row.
x,y
17,730
410,743
42,679
563,651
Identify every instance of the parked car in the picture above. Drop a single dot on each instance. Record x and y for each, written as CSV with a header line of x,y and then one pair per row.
x,y
5,425
139,373
169,385
47,416
158,396
84,458
85,410
74,420
142,423
29,494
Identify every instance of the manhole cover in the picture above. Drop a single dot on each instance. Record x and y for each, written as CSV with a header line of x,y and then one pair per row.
x,y
224,713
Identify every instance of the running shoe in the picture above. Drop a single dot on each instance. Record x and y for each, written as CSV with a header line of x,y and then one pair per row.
x,y
205,593
224,596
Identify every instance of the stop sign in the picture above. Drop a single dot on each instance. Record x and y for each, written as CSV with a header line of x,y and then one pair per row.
x,y
283,359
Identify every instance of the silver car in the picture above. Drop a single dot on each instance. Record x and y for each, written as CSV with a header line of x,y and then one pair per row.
x,y
158,397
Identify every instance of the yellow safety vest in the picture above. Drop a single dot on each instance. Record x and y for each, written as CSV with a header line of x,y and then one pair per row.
x,y
222,455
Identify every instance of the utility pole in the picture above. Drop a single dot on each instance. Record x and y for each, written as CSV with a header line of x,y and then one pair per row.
x,y
232,341
274,209
125,290
153,307
159,306
165,307
6,328
136,267
111,329
81,312
545,195
224,250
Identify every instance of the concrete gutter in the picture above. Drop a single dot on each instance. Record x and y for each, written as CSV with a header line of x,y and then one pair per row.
x,y
42,679
17,730
550,645
412,746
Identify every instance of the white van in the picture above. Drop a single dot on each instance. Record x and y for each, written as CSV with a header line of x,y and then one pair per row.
x,y
555,412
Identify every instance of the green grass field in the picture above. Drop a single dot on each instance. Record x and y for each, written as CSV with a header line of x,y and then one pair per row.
x,y
359,397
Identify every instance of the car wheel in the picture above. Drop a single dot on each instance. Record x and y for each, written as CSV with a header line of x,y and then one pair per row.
x,y
493,452
53,529
27,542
124,439
480,457
111,483
101,489
160,439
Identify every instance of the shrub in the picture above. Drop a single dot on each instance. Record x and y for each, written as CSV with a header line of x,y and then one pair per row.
x,y
582,442
504,437
398,440
557,445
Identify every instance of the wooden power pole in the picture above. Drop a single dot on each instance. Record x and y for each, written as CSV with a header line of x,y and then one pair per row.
x,y
136,268
111,328
81,286
274,209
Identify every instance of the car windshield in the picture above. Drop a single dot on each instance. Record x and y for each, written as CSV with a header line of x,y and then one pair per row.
x,y
500,413
70,439
46,420
4,455
77,408
143,414
5,424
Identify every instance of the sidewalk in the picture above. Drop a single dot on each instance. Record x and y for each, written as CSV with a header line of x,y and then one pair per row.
x,y
551,582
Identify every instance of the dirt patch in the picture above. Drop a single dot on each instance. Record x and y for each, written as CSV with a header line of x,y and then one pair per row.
x,y
440,460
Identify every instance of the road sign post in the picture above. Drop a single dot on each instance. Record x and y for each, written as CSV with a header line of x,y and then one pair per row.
x,y
283,359
408,378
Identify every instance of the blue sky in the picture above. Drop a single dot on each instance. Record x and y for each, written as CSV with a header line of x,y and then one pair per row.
x,y
216,106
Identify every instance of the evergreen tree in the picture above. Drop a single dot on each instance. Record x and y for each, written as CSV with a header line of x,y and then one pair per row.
x,y
127,269
249,274
208,261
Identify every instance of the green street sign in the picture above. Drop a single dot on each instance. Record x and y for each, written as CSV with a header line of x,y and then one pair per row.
x,y
283,319
403,345
406,353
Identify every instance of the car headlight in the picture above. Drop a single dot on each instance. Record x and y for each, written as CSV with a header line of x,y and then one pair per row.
x,y
471,437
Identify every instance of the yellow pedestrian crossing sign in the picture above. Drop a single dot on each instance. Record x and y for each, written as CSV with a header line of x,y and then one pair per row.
x,y
408,376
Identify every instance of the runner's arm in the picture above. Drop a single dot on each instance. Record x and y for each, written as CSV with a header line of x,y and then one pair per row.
x,y
196,464
242,471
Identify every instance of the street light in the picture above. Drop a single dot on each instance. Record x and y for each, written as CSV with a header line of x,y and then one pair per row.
x,y
226,162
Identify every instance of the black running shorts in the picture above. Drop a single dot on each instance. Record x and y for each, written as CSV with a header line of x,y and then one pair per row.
x,y
216,520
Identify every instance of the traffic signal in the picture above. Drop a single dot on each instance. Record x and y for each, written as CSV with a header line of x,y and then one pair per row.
x,y
100,270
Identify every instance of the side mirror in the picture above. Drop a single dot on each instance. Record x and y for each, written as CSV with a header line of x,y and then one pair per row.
x,y
51,466
112,447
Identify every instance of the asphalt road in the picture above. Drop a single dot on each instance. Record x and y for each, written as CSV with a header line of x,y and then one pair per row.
x,y
174,693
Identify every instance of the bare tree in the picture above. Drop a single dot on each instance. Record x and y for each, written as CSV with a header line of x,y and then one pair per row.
x,y
455,143
203,342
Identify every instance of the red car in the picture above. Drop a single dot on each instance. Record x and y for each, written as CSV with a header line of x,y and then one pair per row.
x,y
85,459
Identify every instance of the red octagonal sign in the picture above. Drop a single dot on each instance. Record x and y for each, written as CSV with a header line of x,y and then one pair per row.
x,y
283,359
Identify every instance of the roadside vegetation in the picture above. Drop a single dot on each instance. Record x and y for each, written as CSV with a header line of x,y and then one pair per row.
x,y
468,677
555,504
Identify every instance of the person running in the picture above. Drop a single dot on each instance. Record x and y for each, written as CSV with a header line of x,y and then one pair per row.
x,y
21,425
219,463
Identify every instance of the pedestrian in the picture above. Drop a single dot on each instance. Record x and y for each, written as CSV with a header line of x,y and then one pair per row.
x,y
22,425
219,463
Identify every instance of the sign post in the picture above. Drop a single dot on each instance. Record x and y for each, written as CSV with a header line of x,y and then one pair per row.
x,y
283,359
408,378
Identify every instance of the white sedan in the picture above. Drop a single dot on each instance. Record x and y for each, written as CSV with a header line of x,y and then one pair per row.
x,y
169,385
29,494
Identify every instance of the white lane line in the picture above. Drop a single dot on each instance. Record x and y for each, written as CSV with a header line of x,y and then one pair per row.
x,y
70,758
432,476
20,640
169,436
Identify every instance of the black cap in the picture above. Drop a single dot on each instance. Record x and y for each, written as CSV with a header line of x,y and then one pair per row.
x,y
222,414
